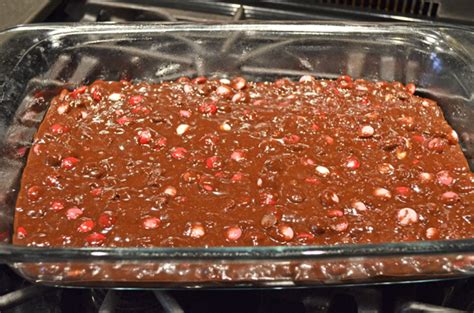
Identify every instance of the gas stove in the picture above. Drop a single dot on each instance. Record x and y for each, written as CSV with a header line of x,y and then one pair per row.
x,y
440,11
451,296
455,295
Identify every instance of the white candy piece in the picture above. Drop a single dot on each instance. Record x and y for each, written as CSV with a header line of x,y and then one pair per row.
x,y
226,127
322,170
197,231
188,88
366,131
425,177
382,193
306,78
170,191
359,206
181,129
455,135
115,97
334,197
63,108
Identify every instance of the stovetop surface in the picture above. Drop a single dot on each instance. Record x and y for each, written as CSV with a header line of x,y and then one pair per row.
x,y
451,296
18,296
440,11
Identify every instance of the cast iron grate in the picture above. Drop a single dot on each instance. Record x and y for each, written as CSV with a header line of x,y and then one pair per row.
x,y
453,296
442,11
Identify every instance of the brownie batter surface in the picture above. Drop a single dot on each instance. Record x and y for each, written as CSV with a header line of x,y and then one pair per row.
x,y
236,163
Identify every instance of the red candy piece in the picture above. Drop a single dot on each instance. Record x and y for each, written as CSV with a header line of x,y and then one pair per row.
x,y
268,198
312,180
199,80
305,236
78,91
237,177
33,193
352,163
86,226
95,239
179,153
57,206
96,94
21,232
52,180
106,220
69,163
291,139
96,192
208,108
403,191
123,120
161,142
411,88
58,129
134,100
144,137
335,213
213,162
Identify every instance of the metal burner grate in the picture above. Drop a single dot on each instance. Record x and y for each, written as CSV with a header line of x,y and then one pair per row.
x,y
16,296
418,8
392,10
455,296
199,11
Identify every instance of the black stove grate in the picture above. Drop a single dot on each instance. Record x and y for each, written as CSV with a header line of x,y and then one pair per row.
x,y
454,296
442,11
17,296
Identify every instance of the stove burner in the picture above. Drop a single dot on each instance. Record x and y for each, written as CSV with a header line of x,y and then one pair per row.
x,y
17,296
451,296
198,11
108,301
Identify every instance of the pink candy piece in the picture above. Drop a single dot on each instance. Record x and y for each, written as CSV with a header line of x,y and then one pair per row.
x,y
233,233
73,213
407,216
450,197
151,222
444,178
286,232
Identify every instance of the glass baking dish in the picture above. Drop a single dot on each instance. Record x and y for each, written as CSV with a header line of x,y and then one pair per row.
x,y
36,62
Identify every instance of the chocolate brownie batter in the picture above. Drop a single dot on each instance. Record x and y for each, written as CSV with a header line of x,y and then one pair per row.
x,y
234,163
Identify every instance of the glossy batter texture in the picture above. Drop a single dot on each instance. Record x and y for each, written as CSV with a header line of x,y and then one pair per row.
x,y
235,163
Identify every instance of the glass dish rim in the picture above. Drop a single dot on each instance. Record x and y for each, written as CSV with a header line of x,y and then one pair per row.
x,y
294,26
13,253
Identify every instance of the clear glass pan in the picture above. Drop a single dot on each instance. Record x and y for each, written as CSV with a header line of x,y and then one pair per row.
x,y
38,61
